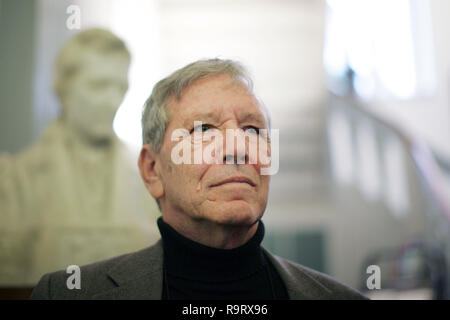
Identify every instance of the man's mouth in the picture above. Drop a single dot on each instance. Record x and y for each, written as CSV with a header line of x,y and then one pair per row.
x,y
237,179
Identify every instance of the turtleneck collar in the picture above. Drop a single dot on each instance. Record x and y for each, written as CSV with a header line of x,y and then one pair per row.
x,y
188,259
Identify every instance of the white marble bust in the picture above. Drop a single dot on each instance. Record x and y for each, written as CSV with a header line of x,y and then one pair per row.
x,y
75,196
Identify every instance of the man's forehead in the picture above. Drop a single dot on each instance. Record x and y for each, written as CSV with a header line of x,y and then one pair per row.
x,y
218,113
224,98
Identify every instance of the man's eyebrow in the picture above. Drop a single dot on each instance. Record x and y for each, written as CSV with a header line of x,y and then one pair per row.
x,y
211,115
253,117
214,117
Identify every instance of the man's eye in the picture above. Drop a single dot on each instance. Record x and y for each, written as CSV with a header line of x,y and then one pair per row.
x,y
251,129
202,128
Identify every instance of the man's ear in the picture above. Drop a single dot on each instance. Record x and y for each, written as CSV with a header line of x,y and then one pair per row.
x,y
149,169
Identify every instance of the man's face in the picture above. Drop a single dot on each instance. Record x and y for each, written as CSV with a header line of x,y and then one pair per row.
x,y
94,95
192,189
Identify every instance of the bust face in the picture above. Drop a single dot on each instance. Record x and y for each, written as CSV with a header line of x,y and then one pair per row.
x,y
192,190
94,94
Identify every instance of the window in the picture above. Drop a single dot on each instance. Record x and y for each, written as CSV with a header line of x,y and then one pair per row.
x,y
384,45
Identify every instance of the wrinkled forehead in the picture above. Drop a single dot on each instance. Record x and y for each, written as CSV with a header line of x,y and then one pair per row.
x,y
212,98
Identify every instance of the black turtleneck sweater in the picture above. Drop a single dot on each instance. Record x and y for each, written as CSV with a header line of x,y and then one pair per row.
x,y
193,271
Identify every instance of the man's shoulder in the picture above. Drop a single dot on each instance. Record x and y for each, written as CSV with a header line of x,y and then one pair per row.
x,y
305,283
94,278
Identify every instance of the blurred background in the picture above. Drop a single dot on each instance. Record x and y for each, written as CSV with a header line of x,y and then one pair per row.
x,y
359,89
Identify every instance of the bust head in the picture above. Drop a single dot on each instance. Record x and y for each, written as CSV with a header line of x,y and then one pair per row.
x,y
91,79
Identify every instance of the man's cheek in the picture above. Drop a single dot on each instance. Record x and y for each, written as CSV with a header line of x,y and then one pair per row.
x,y
169,167
263,189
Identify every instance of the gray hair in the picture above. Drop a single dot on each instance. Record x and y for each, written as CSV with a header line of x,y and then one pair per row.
x,y
155,116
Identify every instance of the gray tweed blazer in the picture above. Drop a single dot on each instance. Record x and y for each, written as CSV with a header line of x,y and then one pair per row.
x,y
139,275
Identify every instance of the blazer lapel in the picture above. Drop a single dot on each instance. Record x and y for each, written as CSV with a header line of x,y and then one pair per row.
x,y
299,284
138,277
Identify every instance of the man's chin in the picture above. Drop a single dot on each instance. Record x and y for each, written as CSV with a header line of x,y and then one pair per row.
x,y
236,213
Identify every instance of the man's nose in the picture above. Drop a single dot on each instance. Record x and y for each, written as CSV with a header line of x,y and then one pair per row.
x,y
235,147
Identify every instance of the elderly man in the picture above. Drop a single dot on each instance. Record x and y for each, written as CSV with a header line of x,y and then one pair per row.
x,y
211,224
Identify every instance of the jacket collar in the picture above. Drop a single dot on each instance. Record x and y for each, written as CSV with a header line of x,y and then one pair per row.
x,y
300,285
138,276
